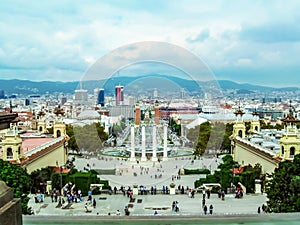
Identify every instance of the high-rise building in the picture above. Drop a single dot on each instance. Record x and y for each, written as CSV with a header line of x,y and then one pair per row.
x,y
96,93
155,93
81,95
119,95
182,93
63,100
100,99
26,102
2,94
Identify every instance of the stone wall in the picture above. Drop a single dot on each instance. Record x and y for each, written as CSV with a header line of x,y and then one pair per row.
x,y
10,208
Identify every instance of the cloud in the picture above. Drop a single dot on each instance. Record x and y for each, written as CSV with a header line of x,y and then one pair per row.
x,y
202,36
269,33
64,38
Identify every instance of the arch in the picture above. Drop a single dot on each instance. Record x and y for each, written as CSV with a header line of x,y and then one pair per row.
x,y
40,129
240,133
9,153
282,150
292,152
256,128
58,133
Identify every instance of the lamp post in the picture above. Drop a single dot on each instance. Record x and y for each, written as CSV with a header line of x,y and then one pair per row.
x,y
60,170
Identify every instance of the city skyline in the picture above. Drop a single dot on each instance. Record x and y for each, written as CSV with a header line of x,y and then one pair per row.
x,y
249,42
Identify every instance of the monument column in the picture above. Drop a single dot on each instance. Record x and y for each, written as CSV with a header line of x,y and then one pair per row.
x,y
165,155
154,157
132,152
143,144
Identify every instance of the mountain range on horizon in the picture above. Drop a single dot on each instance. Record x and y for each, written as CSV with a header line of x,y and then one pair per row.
x,y
27,87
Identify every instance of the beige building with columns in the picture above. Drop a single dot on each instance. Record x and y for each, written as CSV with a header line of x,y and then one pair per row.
x,y
32,151
268,148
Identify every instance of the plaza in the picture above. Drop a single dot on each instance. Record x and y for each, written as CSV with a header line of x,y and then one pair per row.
x,y
146,205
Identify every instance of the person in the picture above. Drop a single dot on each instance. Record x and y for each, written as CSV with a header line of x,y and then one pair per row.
x,y
193,193
173,205
258,210
155,213
203,202
94,203
176,206
205,209
203,193
211,209
126,211
118,213
208,193
223,195
263,207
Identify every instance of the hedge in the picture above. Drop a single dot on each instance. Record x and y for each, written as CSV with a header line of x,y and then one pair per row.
x,y
82,181
196,171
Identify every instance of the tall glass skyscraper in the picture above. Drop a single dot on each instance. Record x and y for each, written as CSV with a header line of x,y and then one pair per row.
x,y
119,95
100,99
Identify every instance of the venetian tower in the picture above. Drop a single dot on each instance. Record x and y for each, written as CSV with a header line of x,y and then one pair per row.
x,y
156,113
59,128
239,128
41,123
137,115
12,145
289,141
255,124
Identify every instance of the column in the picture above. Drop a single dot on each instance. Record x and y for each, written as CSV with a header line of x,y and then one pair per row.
x,y
154,157
165,155
132,152
143,144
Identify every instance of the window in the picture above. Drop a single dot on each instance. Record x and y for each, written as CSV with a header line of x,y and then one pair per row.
x,y
58,133
256,128
282,150
9,153
292,152
241,133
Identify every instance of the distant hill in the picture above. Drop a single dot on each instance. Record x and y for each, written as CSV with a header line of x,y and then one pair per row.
x,y
27,87
138,83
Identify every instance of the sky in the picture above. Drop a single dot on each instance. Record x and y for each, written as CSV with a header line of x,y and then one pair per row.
x,y
252,41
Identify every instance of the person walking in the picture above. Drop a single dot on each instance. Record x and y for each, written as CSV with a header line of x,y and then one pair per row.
x,y
208,193
94,203
205,209
211,209
203,193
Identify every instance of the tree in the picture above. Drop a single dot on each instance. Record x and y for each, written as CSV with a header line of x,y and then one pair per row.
x,y
224,176
226,144
18,180
204,134
39,177
211,136
88,138
283,187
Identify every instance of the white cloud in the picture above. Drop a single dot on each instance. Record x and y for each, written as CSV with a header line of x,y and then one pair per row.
x,y
68,36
